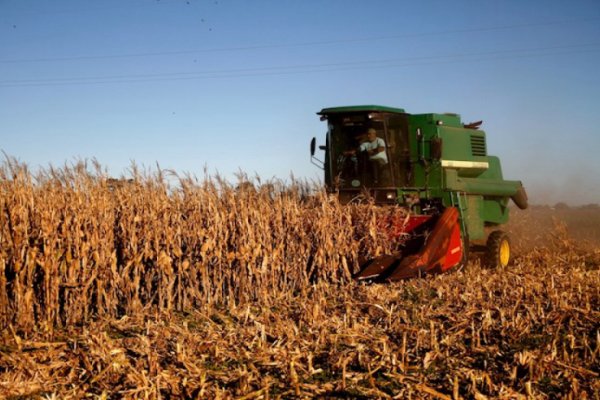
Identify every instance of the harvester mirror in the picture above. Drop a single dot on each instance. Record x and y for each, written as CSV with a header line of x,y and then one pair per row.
x,y
313,148
436,148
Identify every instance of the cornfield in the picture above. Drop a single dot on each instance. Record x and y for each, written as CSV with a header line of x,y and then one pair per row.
x,y
143,288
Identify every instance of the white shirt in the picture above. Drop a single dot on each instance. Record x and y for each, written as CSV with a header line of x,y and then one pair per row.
x,y
374,145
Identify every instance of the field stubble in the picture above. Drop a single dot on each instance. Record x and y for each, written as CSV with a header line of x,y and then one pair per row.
x,y
133,290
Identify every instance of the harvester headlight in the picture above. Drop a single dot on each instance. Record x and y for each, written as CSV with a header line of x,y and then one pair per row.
x,y
390,195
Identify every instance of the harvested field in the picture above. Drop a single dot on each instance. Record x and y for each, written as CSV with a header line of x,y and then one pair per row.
x,y
131,289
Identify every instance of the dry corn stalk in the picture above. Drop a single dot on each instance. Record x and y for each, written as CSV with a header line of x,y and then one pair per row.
x,y
75,244
136,290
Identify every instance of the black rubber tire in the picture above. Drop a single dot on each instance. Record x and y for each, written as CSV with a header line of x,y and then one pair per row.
x,y
498,250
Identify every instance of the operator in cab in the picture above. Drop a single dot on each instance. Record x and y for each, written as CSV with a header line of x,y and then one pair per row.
x,y
373,149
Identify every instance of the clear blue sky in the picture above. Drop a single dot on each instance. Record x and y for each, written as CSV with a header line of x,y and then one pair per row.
x,y
235,84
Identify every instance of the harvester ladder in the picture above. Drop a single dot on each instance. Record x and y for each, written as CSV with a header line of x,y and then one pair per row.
x,y
459,200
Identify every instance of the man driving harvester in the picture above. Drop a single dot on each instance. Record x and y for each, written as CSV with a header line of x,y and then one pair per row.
x,y
374,148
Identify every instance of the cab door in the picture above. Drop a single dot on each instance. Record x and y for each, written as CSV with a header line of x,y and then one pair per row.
x,y
399,150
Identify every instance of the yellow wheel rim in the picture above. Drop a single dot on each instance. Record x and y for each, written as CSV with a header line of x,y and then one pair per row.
x,y
504,253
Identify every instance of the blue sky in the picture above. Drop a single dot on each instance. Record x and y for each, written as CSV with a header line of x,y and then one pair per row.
x,y
234,85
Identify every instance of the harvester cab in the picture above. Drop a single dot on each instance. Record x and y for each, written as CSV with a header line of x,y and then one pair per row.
x,y
435,167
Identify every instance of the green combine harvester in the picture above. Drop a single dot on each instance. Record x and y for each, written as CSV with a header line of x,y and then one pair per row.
x,y
433,165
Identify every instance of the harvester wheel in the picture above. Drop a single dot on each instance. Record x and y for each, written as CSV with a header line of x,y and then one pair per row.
x,y
497,250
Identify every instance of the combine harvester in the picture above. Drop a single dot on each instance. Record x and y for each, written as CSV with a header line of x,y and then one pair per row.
x,y
435,167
